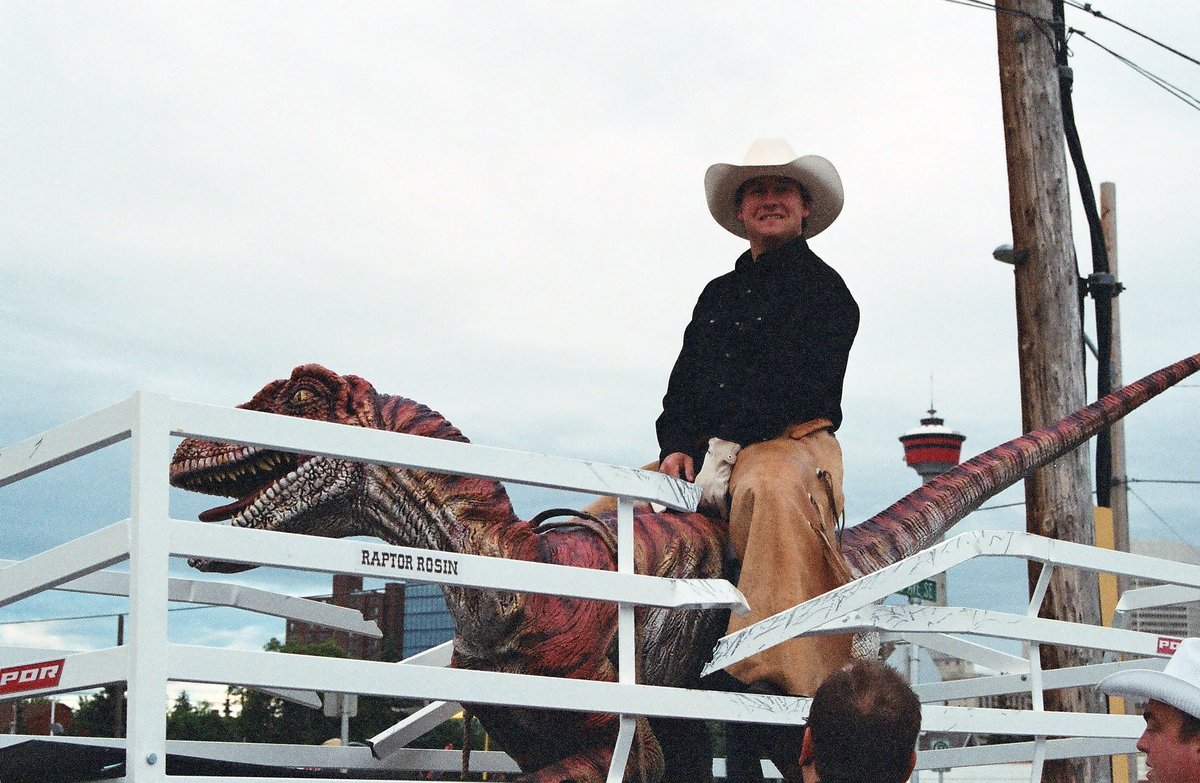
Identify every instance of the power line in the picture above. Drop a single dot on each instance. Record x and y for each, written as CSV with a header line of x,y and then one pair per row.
x,y
1178,92
1142,500
1087,7
103,616
1045,27
1126,481
1164,522
1001,505
107,615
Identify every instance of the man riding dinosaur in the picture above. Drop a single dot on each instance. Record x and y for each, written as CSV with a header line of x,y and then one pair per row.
x,y
755,397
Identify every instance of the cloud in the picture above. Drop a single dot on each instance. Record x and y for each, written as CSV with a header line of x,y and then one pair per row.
x,y
38,636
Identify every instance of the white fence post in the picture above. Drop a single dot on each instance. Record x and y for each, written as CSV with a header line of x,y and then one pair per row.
x,y
1036,692
146,729
626,639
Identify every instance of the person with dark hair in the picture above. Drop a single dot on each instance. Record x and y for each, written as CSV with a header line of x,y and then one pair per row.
x,y
1171,740
862,726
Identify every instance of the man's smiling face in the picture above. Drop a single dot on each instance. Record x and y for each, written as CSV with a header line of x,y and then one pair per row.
x,y
773,212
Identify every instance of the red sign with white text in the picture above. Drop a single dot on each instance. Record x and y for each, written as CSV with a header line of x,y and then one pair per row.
x,y
1168,645
30,676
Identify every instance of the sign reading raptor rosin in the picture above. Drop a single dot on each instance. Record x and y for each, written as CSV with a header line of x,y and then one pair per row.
x,y
399,561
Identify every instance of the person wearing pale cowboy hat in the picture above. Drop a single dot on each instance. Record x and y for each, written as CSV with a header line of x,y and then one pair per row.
x,y
749,414
755,397
1171,740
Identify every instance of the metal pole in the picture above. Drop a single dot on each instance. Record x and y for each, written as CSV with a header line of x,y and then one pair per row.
x,y
146,743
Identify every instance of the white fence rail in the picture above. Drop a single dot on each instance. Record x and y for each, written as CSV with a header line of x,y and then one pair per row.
x,y
149,537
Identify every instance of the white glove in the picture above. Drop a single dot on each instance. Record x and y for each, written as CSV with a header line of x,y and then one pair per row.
x,y
713,478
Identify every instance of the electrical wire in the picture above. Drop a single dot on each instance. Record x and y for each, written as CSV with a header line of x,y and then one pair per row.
x,y
1164,522
1087,7
1045,26
1178,92
104,616
119,614
1127,481
63,619
1101,294
1001,505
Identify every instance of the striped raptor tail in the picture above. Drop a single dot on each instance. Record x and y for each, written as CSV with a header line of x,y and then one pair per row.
x,y
919,518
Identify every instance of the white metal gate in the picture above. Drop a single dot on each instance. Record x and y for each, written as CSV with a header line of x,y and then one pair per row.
x,y
148,538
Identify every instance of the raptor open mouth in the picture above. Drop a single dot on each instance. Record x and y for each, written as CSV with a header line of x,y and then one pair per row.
x,y
245,473
230,510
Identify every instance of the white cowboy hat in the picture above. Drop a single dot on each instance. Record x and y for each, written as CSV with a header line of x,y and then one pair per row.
x,y
1178,684
774,157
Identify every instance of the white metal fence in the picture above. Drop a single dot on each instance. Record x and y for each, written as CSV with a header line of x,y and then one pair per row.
x,y
149,537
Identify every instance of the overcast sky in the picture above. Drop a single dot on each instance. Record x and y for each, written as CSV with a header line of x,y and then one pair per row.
x,y
497,209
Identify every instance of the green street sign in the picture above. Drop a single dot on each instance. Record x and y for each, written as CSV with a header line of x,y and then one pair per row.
x,y
926,590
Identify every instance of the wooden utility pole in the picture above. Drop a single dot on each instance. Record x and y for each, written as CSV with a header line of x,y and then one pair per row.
x,y
1124,768
1049,332
1120,492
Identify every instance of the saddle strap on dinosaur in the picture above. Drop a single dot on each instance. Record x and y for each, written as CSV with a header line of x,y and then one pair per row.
x,y
541,524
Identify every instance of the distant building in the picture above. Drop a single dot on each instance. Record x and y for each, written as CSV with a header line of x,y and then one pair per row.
x,y
39,718
427,622
1178,620
412,617
931,449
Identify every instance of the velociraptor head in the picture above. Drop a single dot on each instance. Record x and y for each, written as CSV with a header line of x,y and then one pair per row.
x,y
275,490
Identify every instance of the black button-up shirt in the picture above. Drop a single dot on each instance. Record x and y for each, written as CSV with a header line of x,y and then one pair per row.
x,y
766,348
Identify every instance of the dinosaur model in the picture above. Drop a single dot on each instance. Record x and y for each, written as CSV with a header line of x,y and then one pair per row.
x,y
566,637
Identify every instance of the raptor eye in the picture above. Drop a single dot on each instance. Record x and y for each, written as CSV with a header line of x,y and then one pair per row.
x,y
301,397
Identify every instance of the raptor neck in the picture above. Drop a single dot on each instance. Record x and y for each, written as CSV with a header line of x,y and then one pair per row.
x,y
462,514
467,516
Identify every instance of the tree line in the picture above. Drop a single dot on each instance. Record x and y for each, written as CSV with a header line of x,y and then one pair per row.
x,y
249,715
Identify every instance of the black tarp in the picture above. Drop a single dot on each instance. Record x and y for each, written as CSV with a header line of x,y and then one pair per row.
x,y
46,761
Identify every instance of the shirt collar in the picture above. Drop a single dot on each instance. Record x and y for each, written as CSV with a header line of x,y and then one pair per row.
x,y
788,253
